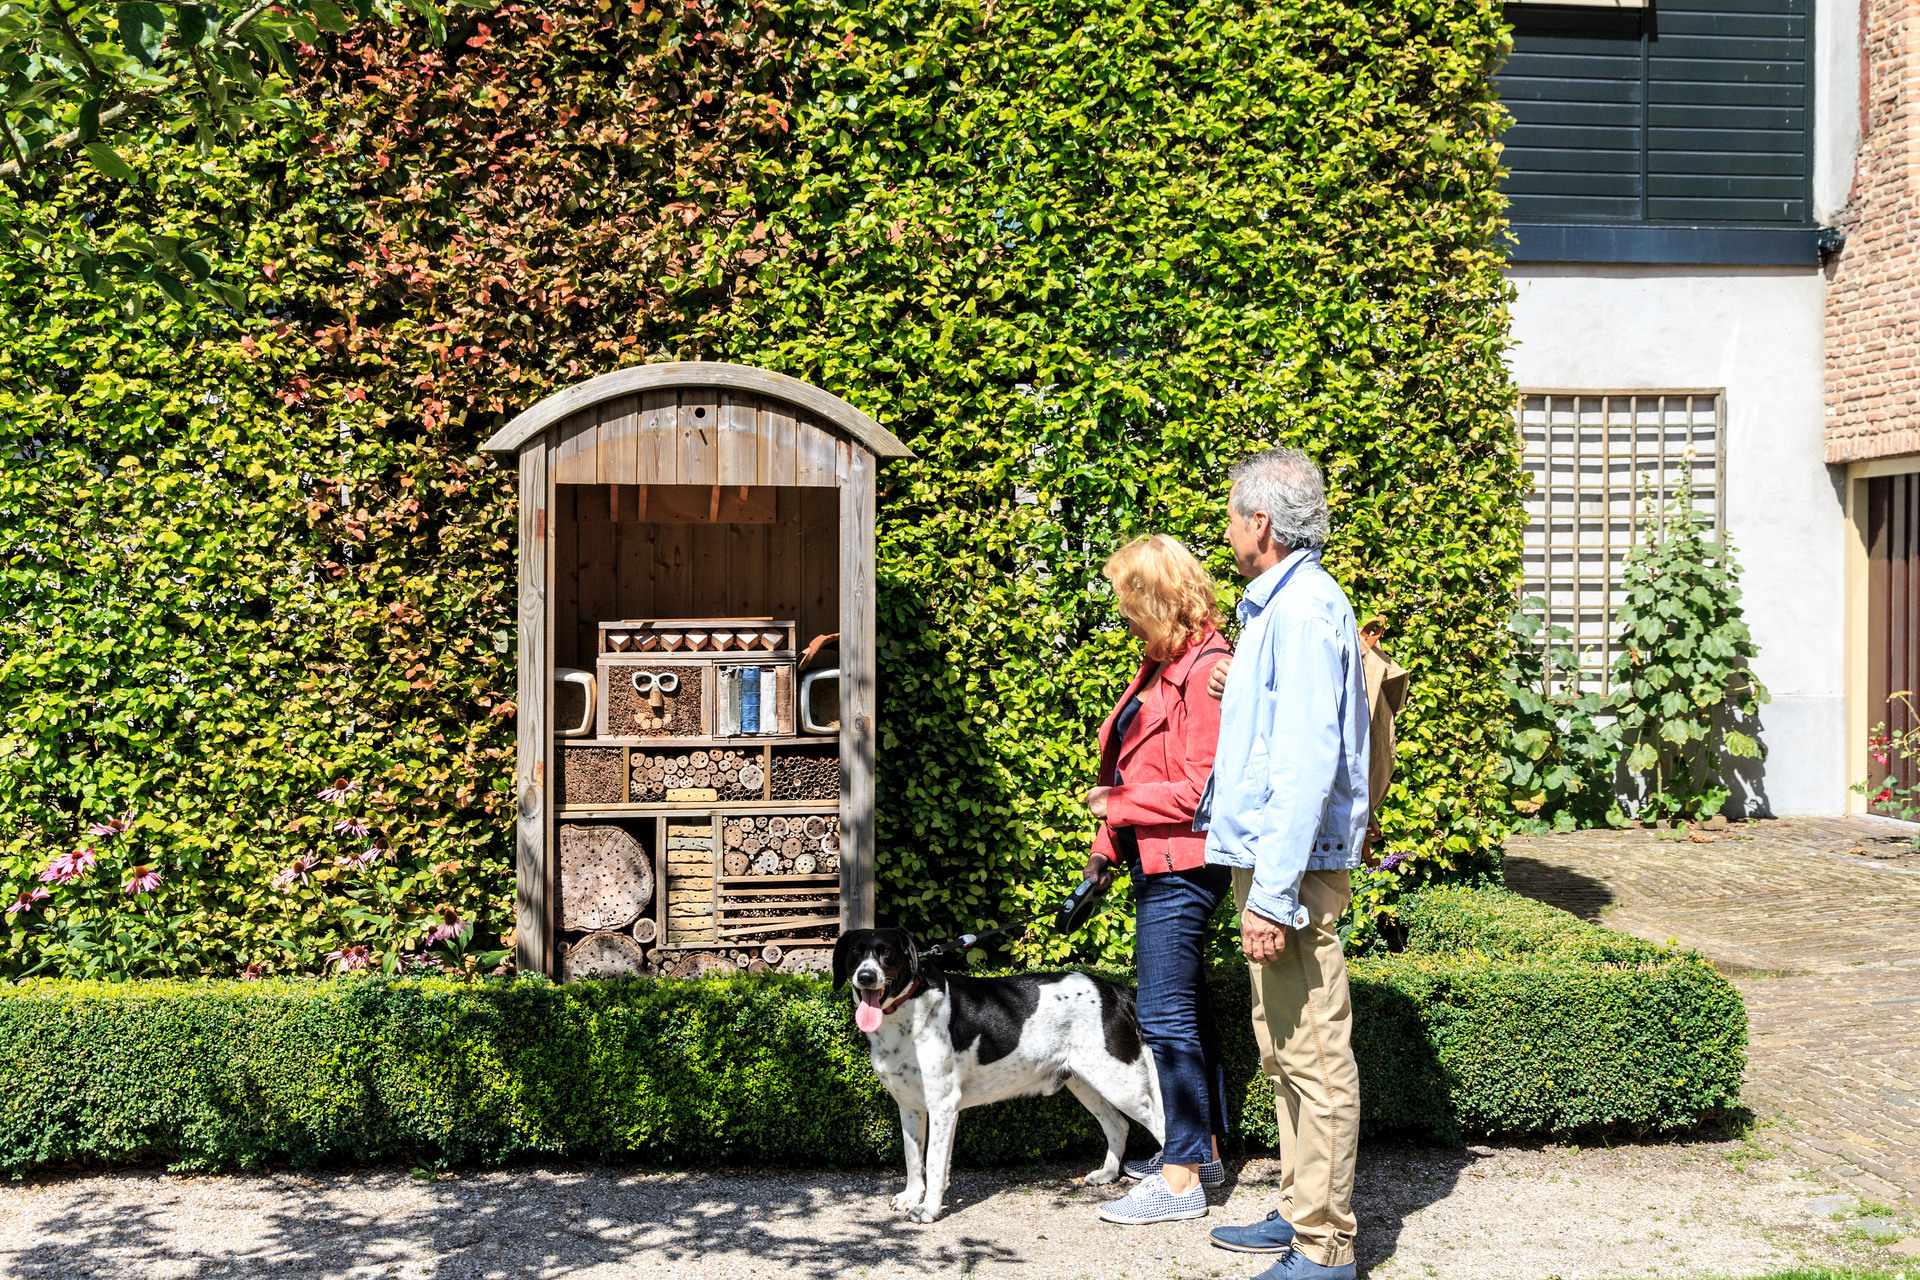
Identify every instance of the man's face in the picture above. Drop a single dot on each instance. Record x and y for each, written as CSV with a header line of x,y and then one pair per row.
x,y
1245,535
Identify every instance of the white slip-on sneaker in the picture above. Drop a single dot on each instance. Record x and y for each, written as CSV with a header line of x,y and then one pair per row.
x,y
1213,1173
1152,1201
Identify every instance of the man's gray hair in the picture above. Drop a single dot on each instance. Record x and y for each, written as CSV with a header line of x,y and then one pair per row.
x,y
1286,485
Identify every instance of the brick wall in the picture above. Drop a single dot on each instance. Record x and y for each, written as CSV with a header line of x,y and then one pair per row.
x,y
1873,297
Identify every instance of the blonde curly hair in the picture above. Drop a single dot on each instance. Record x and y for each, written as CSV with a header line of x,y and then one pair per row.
x,y
1162,586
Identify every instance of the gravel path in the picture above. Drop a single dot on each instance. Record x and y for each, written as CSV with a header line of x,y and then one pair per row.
x,y
1489,1213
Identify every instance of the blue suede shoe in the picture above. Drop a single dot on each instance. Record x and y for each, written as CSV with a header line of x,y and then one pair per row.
x,y
1297,1266
1273,1234
1213,1173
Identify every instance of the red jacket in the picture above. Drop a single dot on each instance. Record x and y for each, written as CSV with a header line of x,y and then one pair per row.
x,y
1165,760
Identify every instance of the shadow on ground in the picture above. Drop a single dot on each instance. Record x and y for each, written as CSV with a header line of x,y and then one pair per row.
x,y
1558,886
594,1222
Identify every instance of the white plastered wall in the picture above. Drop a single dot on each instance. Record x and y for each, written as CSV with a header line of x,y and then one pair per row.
x,y
1757,334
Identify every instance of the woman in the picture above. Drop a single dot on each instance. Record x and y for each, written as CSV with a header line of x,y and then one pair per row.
x,y
1156,752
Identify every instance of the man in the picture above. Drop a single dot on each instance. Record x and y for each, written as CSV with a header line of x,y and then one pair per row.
x,y
1286,808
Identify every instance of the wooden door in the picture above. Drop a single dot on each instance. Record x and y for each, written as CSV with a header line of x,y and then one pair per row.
x,y
1893,612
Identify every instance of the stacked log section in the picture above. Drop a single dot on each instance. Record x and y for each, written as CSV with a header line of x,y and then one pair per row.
x,y
724,960
769,846
606,878
630,713
806,775
590,775
732,775
690,859
603,955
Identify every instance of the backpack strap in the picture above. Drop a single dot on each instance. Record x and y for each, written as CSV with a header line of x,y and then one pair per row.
x,y
1196,662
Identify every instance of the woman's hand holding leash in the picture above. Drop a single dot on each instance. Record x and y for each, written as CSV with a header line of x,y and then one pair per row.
x,y
1098,870
1217,678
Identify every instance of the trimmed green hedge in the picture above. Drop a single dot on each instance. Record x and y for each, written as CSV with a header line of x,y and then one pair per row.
x,y
1503,1017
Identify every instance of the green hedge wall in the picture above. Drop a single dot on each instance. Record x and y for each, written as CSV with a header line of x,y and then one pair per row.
x,y
1080,256
219,1074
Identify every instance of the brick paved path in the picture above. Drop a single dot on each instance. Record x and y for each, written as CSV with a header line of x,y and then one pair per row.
x,y
1817,920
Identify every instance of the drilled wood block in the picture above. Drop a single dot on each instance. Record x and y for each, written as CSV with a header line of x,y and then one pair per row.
x,y
603,955
606,878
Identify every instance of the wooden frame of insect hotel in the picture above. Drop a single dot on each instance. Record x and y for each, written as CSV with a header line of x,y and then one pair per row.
x,y
696,661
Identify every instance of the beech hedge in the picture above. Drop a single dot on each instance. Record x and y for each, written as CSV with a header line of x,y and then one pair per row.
x,y
1080,256
1501,1017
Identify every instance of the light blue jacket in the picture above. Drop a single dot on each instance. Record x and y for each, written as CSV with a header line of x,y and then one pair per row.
x,y
1288,793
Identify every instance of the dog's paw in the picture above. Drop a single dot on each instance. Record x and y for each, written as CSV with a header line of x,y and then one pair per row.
x,y
923,1213
906,1200
1102,1176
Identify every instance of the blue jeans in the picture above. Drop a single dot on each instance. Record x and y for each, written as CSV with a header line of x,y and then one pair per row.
x,y
1170,927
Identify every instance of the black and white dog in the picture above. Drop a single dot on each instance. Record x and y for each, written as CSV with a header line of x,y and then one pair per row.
x,y
942,1043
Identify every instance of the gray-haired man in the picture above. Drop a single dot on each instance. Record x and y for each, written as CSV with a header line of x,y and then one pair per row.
x,y
1286,808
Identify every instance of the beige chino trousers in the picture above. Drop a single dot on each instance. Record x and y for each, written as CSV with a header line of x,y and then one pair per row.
x,y
1303,1023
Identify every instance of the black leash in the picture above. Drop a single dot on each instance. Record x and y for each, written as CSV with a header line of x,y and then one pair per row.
x,y
1068,915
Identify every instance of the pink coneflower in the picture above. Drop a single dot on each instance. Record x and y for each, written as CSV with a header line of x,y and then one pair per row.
x,y
420,960
445,932
340,790
361,861
252,973
350,826
351,958
145,880
112,827
26,900
297,870
68,867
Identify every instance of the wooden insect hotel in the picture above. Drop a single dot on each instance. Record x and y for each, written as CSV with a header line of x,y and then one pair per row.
x,y
696,660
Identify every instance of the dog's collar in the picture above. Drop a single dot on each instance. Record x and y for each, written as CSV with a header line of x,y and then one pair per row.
x,y
912,991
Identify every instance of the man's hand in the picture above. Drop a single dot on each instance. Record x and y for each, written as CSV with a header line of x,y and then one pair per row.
x,y
1099,870
1097,802
1217,678
1261,940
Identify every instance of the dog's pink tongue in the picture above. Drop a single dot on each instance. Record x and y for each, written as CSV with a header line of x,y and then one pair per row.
x,y
866,1014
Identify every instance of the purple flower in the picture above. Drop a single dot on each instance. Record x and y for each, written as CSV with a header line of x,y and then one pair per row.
x,y
340,790
420,960
351,958
350,826
297,870
27,899
68,867
1392,860
112,827
445,932
145,880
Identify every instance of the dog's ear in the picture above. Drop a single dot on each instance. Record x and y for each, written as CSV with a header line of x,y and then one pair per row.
x,y
913,954
841,949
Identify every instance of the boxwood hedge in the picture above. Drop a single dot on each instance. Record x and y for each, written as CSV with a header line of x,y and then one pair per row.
x,y
1501,1017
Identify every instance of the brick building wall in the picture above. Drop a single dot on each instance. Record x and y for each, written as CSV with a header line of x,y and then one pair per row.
x,y
1873,298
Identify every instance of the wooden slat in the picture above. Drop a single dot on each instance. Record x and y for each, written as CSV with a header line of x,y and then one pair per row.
x,y
797,880
815,462
699,436
709,570
659,438
598,572
673,571
739,439
568,634
769,893
1879,553
696,503
783,561
633,594
619,442
533,924
821,567
857,626
773,926
749,593
781,431
579,449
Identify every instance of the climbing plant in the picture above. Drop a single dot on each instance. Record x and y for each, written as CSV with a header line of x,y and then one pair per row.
x,y
1080,257
1561,757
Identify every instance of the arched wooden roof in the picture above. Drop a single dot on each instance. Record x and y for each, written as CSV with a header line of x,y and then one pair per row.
x,y
729,382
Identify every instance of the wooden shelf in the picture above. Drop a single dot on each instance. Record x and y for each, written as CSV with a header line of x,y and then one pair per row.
x,y
696,807
703,744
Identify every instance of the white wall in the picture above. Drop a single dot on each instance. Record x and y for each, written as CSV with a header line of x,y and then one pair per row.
x,y
1755,332
1836,104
